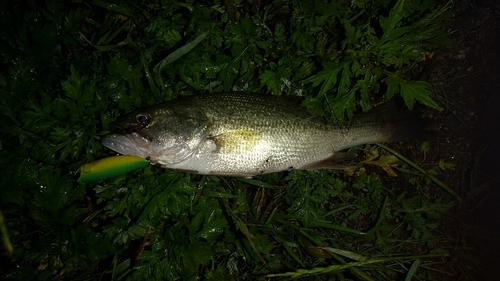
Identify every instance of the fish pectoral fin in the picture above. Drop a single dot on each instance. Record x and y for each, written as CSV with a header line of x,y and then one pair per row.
x,y
332,162
236,142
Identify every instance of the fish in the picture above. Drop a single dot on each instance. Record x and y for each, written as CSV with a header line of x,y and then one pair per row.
x,y
246,134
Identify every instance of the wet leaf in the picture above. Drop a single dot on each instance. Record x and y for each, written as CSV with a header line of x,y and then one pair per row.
x,y
446,165
386,161
417,90
312,250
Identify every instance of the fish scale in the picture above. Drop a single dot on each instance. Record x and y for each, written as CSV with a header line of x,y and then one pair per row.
x,y
246,134
287,136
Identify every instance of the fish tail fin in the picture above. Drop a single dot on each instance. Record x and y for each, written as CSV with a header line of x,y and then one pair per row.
x,y
395,122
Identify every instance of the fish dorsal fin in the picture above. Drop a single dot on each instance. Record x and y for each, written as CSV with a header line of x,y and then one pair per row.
x,y
236,142
331,162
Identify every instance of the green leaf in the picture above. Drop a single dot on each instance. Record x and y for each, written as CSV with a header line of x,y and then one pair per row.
x,y
416,90
344,104
72,86
197,253
345,80
219,274
209,224
114,7
347,254
272,81
395,15
326,77
102,48
413,269
392,86
446,165
175,55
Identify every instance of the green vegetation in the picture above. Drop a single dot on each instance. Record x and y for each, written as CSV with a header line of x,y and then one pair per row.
x,y
70,68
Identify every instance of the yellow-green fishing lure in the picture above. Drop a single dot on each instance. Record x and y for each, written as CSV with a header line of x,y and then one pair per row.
x,y
109,167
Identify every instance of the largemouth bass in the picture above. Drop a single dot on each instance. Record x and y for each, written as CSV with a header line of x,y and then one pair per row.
x,y
243,134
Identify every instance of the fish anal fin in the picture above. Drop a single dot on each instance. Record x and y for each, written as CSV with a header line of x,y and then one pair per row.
x,y
332,162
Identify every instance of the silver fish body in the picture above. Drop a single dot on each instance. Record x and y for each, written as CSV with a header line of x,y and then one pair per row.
x,y
244,134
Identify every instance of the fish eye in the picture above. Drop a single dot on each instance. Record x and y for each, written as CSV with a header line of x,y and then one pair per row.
x,y
143,118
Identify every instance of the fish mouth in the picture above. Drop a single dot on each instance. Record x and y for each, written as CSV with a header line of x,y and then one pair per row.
x,y
128,144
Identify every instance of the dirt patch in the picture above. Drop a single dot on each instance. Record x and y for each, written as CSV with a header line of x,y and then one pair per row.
x,y
468,132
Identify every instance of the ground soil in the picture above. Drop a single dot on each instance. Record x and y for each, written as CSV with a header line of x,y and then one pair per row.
x,y
468,134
